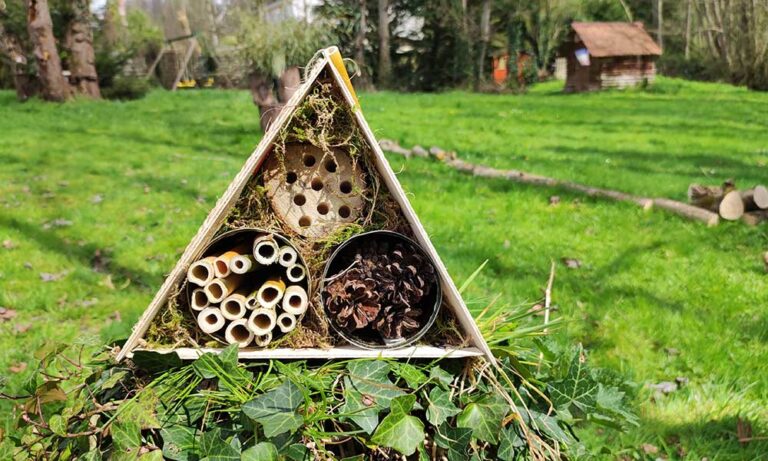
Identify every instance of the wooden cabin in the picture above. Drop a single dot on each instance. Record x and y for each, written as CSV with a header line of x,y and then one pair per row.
x,y
608,55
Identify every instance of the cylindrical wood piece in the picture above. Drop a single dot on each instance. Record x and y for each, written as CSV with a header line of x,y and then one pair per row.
x,y
755,199
295,300
242,264
732,206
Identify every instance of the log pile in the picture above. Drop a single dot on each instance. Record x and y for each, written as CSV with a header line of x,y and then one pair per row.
x,y
749,205
250,293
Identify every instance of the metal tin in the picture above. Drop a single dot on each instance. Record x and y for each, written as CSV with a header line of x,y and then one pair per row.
x,y
336,263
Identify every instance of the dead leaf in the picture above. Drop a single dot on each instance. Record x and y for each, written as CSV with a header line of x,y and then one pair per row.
x,y
8,244
57,223
554,200
649,449
27,265
665,387
507,244
108,282
7,314
99,261
146,189
671,351
21,328
571,263
48,277
115,317
96,199
18,367
743,430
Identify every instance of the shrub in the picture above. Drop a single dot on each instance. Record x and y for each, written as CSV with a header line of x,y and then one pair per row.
x,y
126,88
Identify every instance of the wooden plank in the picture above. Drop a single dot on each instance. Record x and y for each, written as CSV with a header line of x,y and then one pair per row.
x,y
217,215
450,291
341,352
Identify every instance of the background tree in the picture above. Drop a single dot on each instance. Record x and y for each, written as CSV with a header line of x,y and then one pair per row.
x,y
53,84
12,34
385,60
81,57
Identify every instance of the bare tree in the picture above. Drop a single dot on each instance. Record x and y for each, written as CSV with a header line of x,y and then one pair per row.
x,y
54,86
82,60
385,61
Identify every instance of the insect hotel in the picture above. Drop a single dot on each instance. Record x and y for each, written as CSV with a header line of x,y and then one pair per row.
x,y
312,252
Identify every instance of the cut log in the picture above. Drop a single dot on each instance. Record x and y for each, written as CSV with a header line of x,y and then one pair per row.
x,y
753,218
755,199
731,206
688,211
707,197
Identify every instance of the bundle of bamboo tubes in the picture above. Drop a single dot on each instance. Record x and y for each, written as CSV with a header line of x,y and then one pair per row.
x,y
250,293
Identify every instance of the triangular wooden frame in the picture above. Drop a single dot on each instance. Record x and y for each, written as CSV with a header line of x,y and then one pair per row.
x,y
330,59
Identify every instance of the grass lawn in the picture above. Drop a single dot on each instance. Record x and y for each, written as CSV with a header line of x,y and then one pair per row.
x,y
99,198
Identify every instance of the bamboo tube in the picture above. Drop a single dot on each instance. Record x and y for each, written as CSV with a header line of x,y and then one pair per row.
x,y
271,292
238,333
219,289
233,307
287,256
263,340
265,250
295,300
262,321
210,320
286,322
242,264
201,272
296,273
251,302
199,299
223,264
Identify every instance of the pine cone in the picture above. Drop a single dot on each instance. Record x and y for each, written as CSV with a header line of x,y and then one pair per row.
x,y
382,290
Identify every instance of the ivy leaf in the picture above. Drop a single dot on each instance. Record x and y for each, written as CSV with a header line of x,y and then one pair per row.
x,y
484,417
399,430
141,410
155,455
455,440
155,361
412,375
113,378
263,451
179,443
368,391
440,406
276,410
549,425
126,436
440,376
510,441
214,447
297,452
58,425
228,356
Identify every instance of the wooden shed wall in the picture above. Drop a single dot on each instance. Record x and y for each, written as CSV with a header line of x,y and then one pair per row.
x,y
611,72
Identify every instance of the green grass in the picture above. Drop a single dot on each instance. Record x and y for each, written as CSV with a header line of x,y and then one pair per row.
x,y
649,282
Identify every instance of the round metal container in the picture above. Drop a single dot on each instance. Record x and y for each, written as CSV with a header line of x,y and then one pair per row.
x,y
231,239
342,258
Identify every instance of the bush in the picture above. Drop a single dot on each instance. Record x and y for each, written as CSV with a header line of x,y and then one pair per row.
x,y
126,88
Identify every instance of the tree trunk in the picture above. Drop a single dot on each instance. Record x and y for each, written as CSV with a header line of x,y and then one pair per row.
x,y
288,83
385,61
10,47
264,99
54,86
82,60
688,30
364,80
485,38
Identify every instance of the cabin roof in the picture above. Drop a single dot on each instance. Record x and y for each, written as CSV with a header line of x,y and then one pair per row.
x,y
606,39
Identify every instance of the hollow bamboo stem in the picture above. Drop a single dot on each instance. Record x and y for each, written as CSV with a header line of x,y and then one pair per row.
x,y
199,299
271,292
201,272
263,340
210,320
287,256
233,307
218,289
242,264
238,333
295,300
265,250
296,273
262,321
286,322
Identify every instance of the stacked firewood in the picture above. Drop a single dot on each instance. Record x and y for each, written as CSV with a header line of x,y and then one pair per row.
x,y
750,205
381,293
250,293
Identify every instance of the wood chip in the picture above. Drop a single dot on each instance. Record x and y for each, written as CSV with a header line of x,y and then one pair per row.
x,y
7,314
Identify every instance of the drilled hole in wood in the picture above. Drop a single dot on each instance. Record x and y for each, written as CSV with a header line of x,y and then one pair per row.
x,y
309,160
345,187
299,200
317,184
344,211
323,208
305,221
330,166
291,177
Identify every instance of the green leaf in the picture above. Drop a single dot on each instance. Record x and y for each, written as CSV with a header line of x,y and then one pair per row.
x,y
440,376
400,431
276,410
156,455
412,375
440,406
213,447
58,425
297,452
126,436
179,443
228,356
455,440
549,425
156,362
113,379
484,417
510,440
263,451
92,455
402,405
368,391
141,410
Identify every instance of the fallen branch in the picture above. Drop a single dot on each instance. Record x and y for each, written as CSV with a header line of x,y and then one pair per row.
x,y
452,160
